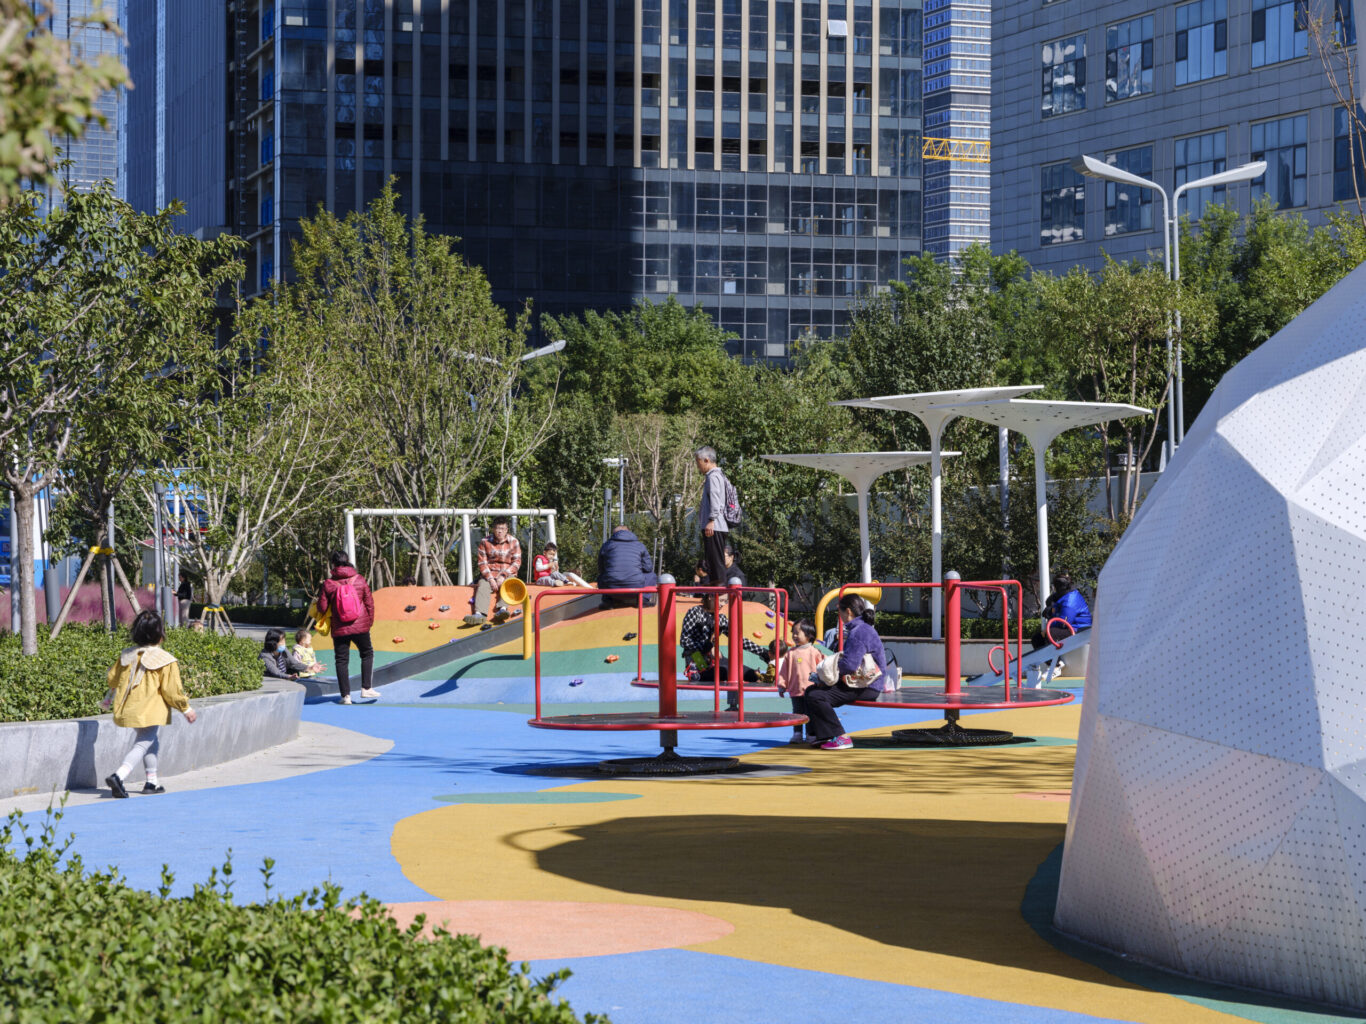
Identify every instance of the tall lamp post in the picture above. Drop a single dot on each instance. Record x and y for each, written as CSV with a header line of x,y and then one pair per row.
x,y
1093,167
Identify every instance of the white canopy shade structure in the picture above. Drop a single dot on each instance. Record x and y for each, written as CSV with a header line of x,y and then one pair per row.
x,y
1042,421
933,408
860,469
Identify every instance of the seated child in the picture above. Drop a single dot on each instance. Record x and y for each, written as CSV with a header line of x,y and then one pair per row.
x,y
546,571
304,653
798,662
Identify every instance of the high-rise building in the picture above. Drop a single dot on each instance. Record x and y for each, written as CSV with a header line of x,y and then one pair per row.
x,y
1172,93
99,153
178,116
761,159
957,125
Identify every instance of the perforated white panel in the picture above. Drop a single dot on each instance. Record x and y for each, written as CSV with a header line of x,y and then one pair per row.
x,y
1218,819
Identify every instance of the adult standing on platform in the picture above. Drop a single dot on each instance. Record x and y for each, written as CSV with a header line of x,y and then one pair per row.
x,y
711,515
346,594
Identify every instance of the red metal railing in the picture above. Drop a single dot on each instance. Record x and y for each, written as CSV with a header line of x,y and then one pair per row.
x,y
667,635
953,590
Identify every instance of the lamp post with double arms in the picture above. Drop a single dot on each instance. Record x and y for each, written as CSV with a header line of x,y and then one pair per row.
x,y
1092,167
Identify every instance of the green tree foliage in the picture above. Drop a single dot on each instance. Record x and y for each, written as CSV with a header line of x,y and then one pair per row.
x,y
1258,273
427,361
46,91
104,314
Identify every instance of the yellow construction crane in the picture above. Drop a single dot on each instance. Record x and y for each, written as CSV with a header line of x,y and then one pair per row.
x,y
970,151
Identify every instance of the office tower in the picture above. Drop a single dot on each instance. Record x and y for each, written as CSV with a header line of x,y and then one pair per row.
x,y
1171,93
957,125
99,153
758,157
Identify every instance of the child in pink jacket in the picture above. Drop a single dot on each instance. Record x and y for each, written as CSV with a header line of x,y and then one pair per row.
x,y
799,661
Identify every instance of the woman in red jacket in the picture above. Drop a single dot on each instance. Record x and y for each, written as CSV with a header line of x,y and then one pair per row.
x,y
347,596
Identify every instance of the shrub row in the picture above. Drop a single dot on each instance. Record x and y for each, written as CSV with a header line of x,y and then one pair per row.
x,y
66,678
260,614
78,946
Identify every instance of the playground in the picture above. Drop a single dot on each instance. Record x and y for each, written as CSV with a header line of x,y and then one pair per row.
x,y
885,882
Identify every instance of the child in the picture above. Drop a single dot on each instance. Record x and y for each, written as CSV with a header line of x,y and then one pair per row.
x,y
275,659
799,661
546,571
304,653
144,685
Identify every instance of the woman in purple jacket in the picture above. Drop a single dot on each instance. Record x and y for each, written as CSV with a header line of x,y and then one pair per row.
x,y
825,730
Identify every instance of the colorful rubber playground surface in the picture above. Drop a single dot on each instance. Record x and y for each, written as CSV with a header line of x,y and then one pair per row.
x,y
877,884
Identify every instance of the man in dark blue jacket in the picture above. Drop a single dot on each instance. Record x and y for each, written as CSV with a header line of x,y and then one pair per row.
x,y
1067,603
624,561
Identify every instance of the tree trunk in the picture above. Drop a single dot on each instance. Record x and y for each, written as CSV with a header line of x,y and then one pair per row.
x,y
21,570
424,564
128,590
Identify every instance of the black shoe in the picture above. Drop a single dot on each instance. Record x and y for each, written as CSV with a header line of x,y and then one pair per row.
x,y
149,788
117,787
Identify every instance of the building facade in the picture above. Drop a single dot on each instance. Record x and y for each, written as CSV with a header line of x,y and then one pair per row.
x,y
100,153
1171,92
758,157
957,178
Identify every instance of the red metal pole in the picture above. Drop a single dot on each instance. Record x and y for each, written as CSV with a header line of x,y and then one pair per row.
x,y
716,654
668,654
953,619
737,646
640,638
536,624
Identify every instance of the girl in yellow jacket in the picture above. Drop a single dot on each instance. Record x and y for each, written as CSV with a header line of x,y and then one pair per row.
x,y
144,685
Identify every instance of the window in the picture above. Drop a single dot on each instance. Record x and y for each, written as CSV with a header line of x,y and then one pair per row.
x,y
1064,76
1129,59
1201,41
1128,207
1349,158
1198,157
1284,146
1063,194
1344,24
1280,31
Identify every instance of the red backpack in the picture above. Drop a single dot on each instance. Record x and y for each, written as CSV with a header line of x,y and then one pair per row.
x,y
347,606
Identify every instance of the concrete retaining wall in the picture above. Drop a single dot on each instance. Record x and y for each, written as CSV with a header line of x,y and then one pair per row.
x,y
77,753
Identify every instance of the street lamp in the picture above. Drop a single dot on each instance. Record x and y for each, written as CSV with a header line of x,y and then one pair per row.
x,y
619,464
1092,167
1246,172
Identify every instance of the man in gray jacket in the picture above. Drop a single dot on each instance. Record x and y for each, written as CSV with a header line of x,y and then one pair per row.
x,y
711,515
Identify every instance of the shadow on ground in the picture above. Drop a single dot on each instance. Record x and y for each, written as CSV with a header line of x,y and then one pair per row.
x,y
913,883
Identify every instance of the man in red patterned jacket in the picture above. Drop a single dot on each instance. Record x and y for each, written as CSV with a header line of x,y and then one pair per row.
x,y
500,556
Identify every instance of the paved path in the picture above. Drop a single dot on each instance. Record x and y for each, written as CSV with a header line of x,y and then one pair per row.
x,y
877,884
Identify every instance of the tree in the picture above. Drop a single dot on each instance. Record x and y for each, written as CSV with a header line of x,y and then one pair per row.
x,y
1112,330
100,307
1257,273
1327,22
46,91
266,451
430,357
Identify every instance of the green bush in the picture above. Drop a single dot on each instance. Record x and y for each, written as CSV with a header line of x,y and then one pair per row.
x,y
66,678
78,947
260,614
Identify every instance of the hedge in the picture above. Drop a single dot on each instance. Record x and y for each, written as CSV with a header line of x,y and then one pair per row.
x,y
78,946
260,614
66,678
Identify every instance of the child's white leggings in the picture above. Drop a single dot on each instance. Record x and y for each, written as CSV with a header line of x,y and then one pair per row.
x,y
145,746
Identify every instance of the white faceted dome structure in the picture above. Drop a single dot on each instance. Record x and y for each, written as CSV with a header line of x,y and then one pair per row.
x,y
1218,816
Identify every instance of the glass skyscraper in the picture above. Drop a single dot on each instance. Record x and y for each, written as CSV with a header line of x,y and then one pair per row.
x,y
98,154
759,157
958,110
